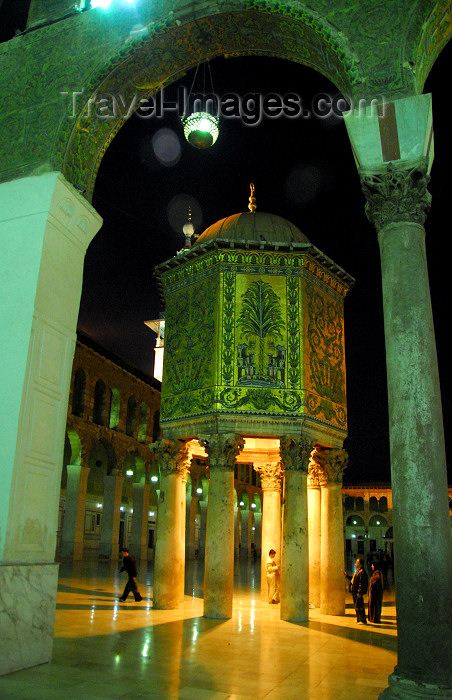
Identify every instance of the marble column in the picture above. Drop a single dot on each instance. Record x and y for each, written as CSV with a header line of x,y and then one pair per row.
x,y
140,519
332,591
271,479
397,201
219,562
183,526
169,565
111,515
295,456
314,533
74,512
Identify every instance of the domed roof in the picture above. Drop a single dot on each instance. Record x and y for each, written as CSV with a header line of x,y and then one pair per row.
x,y
254,227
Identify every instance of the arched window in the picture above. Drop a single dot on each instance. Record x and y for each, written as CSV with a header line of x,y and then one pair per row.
x,y
156,427
99,402
115,405
383,504
360,503
143,423
349,503
373,504
78,393
131,416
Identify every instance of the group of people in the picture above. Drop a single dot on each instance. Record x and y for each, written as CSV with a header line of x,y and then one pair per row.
x,y
359,585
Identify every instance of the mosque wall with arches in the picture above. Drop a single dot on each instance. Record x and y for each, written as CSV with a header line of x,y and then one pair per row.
x,y
113,415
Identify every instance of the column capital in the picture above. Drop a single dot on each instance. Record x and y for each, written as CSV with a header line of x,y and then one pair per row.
x,y
222,450
396,192
316,476
332,462
270,475
295,452
172,456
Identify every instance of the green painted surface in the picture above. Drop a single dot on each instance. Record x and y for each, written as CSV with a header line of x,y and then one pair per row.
x,y
253,333
367,49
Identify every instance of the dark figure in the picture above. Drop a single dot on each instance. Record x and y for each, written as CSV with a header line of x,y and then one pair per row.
x,y
385,568
375,594
128,564
358,588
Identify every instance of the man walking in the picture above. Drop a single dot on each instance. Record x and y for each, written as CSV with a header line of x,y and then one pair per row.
x,y
128,564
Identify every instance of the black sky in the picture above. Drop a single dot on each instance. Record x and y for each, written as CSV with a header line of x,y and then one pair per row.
x,y
303,170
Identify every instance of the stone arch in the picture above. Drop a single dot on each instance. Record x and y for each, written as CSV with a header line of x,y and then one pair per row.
x,y
373,504
349,503
355,521
134,472
170,49
378,521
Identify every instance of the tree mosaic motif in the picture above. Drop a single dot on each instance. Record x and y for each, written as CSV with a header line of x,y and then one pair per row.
x,y
261,318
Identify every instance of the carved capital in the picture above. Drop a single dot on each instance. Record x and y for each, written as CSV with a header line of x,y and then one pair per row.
x,y
332,462
222,450
316,476
172,455
397,193
295,452
271,476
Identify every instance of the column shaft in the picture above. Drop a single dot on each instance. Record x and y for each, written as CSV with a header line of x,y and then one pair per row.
x,y
219,564
271,532
168,564
314,530
140,519
294,556
74,512
332,591
109,534
422,543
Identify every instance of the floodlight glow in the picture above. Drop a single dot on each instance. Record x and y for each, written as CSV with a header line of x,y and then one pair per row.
x,y
253,505
198,490
129,472
154,478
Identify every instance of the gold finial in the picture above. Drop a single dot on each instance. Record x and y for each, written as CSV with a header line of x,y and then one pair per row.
x,y
252,200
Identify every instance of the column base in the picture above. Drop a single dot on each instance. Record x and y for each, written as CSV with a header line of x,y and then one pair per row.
x,y
403,689
27,614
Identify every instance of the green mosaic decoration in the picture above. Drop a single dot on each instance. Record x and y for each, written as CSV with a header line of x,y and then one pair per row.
x,y
260,318
325,337
258,333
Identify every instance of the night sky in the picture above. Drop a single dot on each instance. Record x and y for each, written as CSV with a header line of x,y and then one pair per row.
x,y
303,170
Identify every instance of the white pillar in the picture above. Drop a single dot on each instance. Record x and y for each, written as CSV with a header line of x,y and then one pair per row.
x,y
111,515
314,534
45,228
169,569
219,562
74,512
140,519
295,455
271,477
332,589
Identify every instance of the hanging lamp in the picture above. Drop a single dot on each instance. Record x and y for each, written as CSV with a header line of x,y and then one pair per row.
x,y
201,125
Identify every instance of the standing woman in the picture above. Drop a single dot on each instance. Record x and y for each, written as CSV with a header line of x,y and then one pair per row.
x,y
375,593
272,577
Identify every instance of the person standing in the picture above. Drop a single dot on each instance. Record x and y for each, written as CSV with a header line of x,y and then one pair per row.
x,y
375,594
128,565
358,588
272,577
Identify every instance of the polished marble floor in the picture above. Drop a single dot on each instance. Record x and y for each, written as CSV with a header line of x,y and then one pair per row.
x,y
105,649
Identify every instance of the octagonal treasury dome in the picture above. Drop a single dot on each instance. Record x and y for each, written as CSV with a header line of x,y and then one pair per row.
x,y
256,227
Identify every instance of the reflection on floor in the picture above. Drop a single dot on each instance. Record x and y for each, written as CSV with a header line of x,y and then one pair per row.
x,y
105,649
